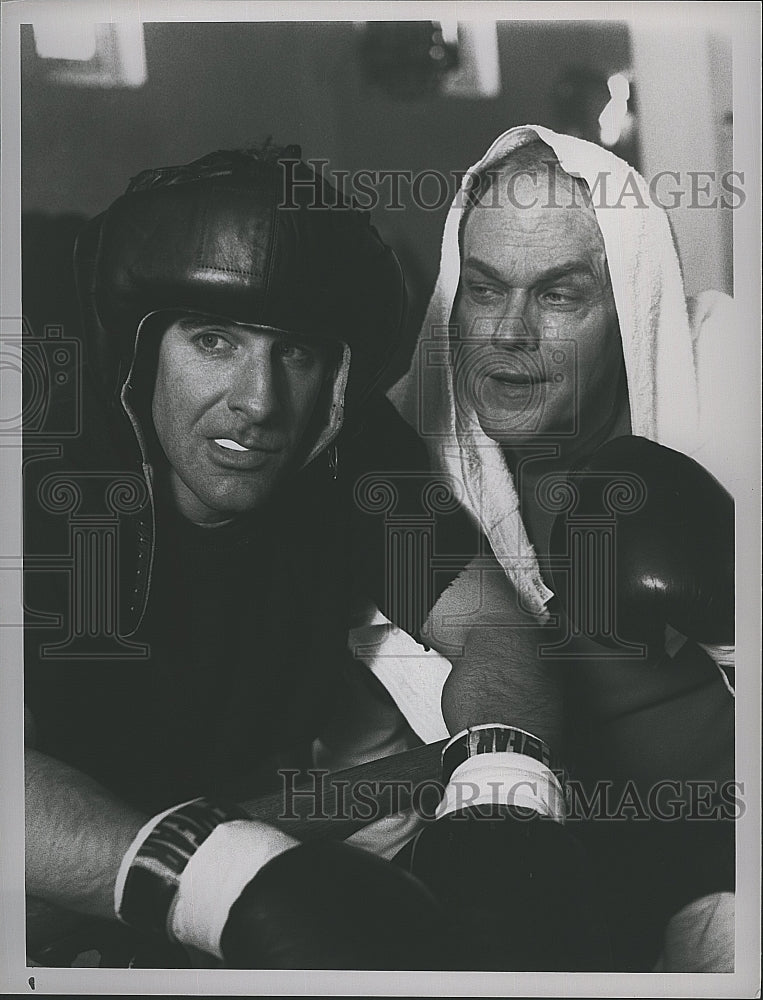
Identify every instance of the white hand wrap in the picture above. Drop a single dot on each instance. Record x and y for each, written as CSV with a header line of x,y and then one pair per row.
x,y
187,867
504,779
215,877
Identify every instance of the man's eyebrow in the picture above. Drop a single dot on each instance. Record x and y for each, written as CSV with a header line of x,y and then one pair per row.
x,y
197,324
562,270
192,324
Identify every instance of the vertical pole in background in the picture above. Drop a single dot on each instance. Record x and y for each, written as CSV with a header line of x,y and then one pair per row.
x,y
680,100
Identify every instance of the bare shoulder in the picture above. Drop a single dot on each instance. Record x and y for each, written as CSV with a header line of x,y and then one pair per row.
x,y
480,600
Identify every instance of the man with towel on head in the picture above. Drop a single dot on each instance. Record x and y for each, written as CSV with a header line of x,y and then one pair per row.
x,y
559,323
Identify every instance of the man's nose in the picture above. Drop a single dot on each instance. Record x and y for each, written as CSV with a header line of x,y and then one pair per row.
x,y
518,326
253,391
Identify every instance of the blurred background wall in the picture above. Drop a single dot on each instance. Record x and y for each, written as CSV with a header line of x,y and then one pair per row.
x,y
218,85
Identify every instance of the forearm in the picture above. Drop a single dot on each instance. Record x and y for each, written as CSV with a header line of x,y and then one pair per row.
x,y
76,836
498,671
502,677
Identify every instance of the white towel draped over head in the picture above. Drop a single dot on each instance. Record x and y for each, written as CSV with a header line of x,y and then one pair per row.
x,y
658,347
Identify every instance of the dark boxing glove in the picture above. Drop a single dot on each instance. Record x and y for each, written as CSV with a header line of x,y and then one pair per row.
x,y
648,541
254,897
645,550
515,884
327,905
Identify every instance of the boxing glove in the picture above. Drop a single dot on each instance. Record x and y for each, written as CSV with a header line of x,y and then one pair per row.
x,y
327,905
254,897
643,555
516,886
647,541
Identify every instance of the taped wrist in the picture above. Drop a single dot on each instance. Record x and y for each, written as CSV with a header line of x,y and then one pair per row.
x,y
186,868
495,764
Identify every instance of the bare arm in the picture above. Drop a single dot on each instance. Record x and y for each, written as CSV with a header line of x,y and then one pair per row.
x,y
501,678
499,674
76,836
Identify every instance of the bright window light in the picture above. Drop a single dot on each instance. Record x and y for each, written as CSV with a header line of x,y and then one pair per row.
x,y
65,39
613,118
88,54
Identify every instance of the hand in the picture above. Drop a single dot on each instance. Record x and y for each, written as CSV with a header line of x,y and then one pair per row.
x,y
255,897
648,543
514,883
326,905
671,560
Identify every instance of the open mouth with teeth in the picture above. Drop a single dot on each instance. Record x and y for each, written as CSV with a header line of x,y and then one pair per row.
x,y
230,445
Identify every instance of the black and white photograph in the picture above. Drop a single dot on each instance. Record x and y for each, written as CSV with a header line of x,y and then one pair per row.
x,y
380,435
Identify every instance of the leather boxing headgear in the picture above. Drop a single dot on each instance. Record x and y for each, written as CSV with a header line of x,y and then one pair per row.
x,y
252,237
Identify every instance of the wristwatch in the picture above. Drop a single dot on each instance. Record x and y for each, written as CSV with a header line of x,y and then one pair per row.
x,y
494,737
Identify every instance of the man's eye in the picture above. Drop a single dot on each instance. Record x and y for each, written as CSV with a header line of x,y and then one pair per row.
x,y
480,292
213,343
555,297
299,353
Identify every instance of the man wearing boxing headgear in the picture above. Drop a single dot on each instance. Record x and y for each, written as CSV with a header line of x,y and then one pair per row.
x,y
237,319
577,375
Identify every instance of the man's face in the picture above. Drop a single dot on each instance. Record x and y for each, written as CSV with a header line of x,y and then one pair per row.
x,y
231,406
540,350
